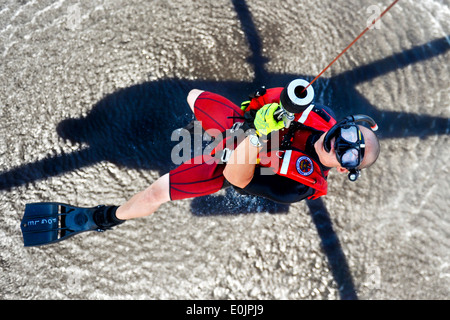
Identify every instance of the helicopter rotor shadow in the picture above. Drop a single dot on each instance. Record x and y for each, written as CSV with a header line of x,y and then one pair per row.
x,y
132,128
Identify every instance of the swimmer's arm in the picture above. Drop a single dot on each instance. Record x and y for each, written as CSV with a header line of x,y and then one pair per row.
x,y
240,168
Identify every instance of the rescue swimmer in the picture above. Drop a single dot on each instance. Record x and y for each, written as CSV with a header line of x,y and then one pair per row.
x,y
312,142
309,143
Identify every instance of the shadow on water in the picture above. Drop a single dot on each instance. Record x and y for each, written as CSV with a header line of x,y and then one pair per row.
x,y
132,128
332,248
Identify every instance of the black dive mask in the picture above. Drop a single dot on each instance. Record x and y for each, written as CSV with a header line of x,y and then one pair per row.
x,y
349,143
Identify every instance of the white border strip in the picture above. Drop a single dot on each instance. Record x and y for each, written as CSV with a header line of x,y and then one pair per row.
x,y
305,114
286,161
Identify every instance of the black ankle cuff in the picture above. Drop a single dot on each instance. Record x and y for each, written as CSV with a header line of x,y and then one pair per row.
x,y
105,217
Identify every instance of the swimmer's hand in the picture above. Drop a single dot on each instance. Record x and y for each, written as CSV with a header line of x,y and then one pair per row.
x,y
265,122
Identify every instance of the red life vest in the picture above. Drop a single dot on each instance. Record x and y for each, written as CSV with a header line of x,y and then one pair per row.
x,y
294,163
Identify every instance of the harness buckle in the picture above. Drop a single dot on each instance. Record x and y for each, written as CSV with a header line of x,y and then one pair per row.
x,y
236,126
226,154
280,153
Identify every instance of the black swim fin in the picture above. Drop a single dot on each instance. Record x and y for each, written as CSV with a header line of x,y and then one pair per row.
x,y
50,222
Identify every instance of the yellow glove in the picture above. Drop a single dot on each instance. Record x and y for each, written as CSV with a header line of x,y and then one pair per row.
x,y
265,122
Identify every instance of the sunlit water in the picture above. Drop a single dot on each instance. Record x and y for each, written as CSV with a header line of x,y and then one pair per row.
x,y
91,92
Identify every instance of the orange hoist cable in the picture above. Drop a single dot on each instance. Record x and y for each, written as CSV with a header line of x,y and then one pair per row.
x,y
353,42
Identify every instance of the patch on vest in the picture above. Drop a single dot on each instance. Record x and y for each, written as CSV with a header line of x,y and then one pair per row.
x,y
304,166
